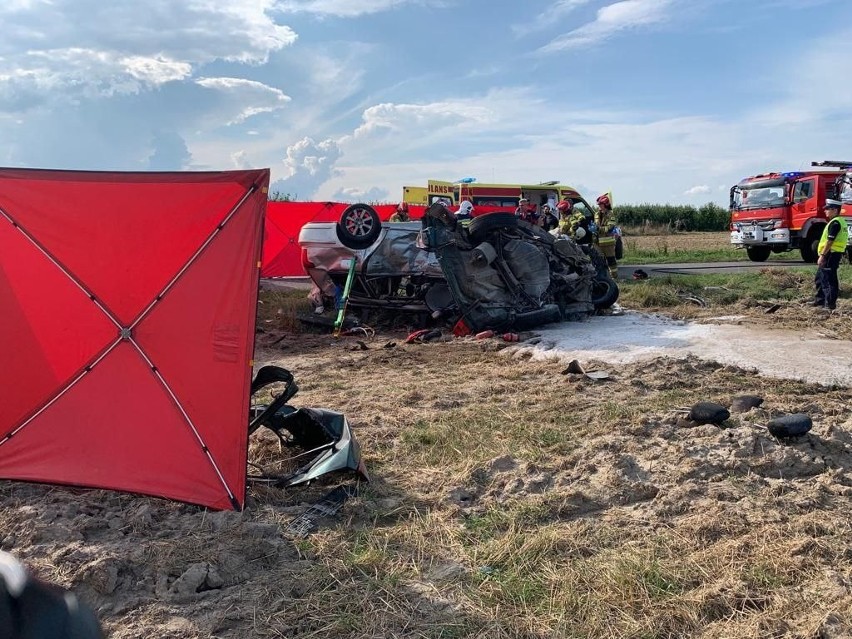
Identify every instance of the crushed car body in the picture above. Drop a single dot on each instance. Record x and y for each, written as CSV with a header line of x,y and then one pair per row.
x,y
493,271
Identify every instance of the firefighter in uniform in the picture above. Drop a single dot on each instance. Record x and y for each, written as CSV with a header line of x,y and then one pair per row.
x,y
831,247
606,233
401,213
564,209
465,213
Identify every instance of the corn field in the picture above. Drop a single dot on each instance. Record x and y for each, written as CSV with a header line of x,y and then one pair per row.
x,y
681,217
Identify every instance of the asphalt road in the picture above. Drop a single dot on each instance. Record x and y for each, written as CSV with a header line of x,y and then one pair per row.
x,y
625,271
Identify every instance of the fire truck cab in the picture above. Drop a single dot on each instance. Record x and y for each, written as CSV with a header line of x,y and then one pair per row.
x,y
778,212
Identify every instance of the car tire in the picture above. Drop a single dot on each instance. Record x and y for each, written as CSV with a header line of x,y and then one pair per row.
x,y
359,226
758,253
605,292
482,225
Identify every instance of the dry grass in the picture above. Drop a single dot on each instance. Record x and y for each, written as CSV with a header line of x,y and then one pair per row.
x,y
609,523
661,242
508,501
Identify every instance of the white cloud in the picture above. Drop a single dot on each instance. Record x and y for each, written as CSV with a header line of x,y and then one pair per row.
x,y
347,8
79,48
626,14
356,194
699,189
818,92
170,152
408,118
246,97
549,18
240,160
308,166
81,72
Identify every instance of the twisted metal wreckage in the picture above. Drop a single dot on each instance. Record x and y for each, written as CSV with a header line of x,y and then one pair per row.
x,y
494,271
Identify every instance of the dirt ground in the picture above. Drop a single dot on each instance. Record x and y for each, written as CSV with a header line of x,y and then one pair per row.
x,y
508,500
680,241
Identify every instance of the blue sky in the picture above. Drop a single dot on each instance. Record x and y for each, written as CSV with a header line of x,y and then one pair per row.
x,y
656,100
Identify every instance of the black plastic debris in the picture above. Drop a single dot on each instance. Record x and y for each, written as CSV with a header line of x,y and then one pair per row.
x,y
794,425
328,506
744,403
708,413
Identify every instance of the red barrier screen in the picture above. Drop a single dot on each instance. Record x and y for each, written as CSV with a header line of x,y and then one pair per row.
x,y
128,328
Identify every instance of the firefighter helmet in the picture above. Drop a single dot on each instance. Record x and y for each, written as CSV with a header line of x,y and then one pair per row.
x,y
604,201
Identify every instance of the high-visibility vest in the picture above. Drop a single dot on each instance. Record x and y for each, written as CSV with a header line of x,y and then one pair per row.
x,y
839,243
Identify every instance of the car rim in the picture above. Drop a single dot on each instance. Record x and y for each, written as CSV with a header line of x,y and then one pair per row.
x,y
359,222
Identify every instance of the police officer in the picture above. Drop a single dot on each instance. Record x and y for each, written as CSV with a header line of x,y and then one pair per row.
x,y
831,247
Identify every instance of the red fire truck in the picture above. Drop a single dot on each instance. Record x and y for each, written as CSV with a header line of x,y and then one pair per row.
x,y
778,212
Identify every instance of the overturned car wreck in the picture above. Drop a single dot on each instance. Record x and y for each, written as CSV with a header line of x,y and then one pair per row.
x,y
494,271
504,273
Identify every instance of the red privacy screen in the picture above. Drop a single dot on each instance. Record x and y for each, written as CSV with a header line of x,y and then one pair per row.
x,y
127,328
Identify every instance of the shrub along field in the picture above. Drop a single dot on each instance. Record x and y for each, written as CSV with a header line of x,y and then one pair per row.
x,y
652,218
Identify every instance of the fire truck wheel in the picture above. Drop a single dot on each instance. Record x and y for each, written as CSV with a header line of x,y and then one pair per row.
x,y
482,225
809,247
359,226
758,253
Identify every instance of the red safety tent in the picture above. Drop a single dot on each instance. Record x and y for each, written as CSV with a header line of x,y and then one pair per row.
x,y
127,329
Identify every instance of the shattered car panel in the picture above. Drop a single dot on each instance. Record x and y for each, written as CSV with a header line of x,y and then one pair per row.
x,y
324,436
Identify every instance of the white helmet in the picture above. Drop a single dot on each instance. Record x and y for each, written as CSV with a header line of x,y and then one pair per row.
x,y
580,233
466,208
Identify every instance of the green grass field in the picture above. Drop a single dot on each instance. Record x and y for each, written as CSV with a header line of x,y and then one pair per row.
x,y
671,248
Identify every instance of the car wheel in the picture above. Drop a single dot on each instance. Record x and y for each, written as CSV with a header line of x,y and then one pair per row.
x,y
482,225
359,226
604,292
